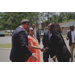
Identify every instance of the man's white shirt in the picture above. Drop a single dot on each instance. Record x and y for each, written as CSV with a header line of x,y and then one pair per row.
x,y
35,32
73,36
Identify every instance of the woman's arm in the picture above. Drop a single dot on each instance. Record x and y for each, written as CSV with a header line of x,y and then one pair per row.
x,y
34,47
60,43
57,44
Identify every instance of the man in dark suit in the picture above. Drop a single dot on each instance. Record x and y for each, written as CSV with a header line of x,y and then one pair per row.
x,y
45,40
71,38
36,33
20,51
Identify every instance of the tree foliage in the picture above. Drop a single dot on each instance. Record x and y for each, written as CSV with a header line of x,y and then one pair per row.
x,y
51,17
11,20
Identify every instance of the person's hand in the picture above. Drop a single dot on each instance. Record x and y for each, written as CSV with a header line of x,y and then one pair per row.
x,y
67,38
43,50
34,57
54,58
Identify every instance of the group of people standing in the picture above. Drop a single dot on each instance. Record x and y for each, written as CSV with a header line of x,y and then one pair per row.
x,y
25,46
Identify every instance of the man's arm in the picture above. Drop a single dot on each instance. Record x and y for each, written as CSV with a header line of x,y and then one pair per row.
x,y
22,40
22,37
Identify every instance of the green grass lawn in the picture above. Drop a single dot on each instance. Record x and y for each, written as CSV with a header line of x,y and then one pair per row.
x,y
6,33
5,46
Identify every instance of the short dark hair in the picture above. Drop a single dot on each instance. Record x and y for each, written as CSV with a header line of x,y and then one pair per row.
x,y
71,27
55,27
24,21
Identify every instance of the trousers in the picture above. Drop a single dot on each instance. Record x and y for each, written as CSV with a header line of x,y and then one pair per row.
x,y
71,50
46,56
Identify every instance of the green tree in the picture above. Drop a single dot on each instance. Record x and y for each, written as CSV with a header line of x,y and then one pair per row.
x,y
11,20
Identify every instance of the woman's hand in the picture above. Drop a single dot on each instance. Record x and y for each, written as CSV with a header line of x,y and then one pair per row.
x,y
54,58
42,50
67,38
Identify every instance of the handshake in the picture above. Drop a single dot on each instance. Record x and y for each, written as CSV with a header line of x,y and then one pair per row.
x,y
43,49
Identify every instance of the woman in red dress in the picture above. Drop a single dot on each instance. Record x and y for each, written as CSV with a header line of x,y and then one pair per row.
x,y
33,46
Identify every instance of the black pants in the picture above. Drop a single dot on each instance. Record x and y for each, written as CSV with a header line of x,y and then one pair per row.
x,y
46,56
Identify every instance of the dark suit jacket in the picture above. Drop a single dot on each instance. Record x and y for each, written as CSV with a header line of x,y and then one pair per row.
x,y
58,47
70,38
37,35
45,39
20,51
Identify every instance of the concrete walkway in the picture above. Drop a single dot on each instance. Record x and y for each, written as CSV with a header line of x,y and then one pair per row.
x,y
4,55
5,40
4,52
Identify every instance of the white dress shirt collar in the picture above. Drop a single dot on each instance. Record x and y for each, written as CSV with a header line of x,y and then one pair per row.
x,y
35,32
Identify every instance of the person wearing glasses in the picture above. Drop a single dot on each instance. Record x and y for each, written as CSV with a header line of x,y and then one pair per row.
x,y
33,46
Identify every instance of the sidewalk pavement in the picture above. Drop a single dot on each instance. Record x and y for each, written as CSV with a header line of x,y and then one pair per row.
x,y
41,53
5,52
5,48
